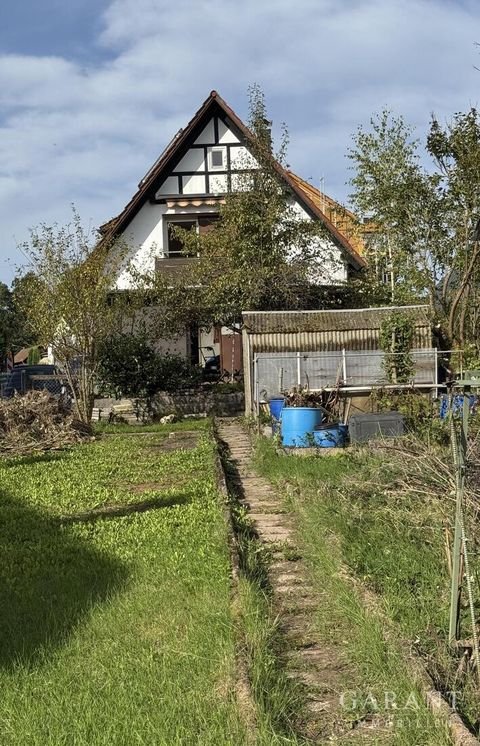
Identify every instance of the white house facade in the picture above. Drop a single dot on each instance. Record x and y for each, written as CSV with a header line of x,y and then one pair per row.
x,y
187,184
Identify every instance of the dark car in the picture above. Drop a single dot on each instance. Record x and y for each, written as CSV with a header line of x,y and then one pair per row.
x,y
211,369
20,379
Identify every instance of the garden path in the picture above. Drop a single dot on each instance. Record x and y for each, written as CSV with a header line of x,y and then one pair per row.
x,y
316,665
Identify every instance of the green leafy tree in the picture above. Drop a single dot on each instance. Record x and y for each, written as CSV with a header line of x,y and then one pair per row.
x,y
261,253
69,299
425,237
455,149
14,333
396,339
405,204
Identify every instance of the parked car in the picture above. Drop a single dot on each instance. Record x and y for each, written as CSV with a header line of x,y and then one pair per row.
x,y
20,379
211,369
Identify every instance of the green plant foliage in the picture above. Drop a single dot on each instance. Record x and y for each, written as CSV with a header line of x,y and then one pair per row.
x,y
130,367
68,300
360,532
425,238
14,333
34,356
396,339
116,630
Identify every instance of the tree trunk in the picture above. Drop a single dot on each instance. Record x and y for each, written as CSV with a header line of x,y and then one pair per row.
x,y
459,294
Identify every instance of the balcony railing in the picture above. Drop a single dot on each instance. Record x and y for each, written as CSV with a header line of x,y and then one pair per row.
x,y
173,266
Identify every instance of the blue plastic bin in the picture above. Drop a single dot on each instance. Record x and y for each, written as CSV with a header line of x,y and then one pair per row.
x,y
276,405
331,436
298,425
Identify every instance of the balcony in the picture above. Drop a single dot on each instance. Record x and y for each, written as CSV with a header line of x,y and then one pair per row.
x,y
174,266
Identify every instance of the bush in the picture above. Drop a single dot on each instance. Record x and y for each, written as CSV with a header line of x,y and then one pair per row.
x,y
130,367
421,414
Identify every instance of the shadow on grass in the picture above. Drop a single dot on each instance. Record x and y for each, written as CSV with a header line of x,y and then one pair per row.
x,y
117,511
49,581
36,458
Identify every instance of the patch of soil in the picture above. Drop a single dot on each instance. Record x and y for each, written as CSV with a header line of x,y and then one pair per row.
x,y
185,440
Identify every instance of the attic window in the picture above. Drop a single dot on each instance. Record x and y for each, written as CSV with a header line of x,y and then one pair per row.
x,y
217,159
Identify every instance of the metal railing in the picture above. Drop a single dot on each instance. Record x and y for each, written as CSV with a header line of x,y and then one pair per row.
x,y
350,370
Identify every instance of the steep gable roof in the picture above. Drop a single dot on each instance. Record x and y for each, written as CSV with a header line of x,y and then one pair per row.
x,y
344,220
176,148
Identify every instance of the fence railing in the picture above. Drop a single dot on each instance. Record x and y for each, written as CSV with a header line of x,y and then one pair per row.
x,y
54,384
275,372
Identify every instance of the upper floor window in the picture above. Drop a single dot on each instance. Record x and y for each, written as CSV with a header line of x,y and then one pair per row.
x,y
201,224
175,245
217,159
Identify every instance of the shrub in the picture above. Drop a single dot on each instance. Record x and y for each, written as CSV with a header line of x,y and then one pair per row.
x,y
396,339
130,367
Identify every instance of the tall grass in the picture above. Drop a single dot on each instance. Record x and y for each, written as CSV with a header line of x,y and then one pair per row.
x,y
353,531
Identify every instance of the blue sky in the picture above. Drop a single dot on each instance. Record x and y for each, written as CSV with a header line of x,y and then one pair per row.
x,y
92,90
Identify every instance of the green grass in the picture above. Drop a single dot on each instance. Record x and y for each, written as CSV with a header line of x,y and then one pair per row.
x,y
115,631
353,531
152,427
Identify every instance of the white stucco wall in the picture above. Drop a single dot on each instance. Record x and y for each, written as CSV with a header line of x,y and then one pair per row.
x,y
329,267
193,160
147,237
225,136
207,135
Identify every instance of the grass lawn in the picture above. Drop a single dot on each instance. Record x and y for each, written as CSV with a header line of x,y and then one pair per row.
x,y
354,533
116,630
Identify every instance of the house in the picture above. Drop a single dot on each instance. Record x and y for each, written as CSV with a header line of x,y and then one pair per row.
x,y
186,186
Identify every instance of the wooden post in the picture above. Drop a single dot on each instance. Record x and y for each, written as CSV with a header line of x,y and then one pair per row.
x,y
344,366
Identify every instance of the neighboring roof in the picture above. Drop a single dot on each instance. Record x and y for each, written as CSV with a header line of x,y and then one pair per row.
x,y
346,221
151,182
271,322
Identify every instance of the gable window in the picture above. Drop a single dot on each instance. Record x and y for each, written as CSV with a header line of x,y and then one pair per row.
x,y
175,245
217,159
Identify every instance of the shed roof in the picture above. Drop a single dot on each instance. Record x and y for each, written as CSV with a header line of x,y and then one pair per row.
x,y
287,322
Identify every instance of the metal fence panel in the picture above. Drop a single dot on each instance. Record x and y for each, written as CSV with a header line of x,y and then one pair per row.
x,y
281,371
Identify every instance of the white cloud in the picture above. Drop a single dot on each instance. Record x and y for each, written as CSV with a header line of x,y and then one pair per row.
x,y
87,134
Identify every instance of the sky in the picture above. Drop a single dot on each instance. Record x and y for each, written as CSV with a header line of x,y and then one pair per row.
x,y
91,91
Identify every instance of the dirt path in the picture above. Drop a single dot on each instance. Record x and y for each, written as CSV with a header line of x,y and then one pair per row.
x,y
317,666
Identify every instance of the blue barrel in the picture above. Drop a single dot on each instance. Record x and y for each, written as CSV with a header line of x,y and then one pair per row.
x,y
457,404
331,436
298,425
276,405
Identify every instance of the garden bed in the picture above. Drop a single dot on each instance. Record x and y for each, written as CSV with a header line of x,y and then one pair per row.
x,y
118,630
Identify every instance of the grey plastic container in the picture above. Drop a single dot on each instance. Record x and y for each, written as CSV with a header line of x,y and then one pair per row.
x,y
363,427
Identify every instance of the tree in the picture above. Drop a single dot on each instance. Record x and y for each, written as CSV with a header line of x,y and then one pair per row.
x,y
455,150
69,299
424,219
13,329
260,254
